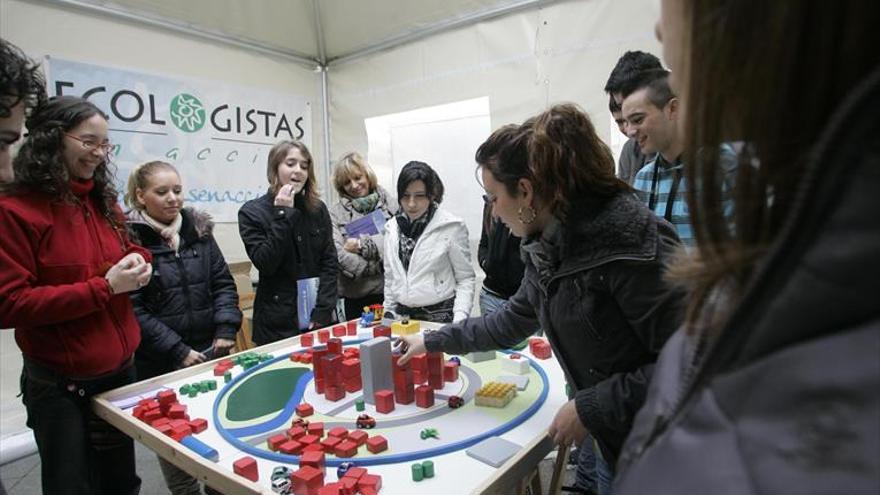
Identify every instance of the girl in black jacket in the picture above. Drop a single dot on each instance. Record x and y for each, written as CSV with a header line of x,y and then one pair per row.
x,y
288,236
189,311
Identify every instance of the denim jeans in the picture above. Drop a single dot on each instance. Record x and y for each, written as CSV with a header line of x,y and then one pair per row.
x,y
80,453
489,302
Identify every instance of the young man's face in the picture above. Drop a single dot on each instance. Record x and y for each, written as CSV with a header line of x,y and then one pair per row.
x,y
620,121
653,128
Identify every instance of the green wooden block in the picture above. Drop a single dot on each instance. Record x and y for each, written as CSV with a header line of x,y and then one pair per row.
x,y
417,472
193,392
227,377
184,390
212,385
359,405
428,469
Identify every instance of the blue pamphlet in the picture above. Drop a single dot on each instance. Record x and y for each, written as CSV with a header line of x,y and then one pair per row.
x,y
306,298
370,224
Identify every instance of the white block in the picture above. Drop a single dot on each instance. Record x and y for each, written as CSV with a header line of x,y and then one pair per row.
x,y
519,366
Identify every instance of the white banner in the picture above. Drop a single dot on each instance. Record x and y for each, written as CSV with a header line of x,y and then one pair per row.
x,y
217,135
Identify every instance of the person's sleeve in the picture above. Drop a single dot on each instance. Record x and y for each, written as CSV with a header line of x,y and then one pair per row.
x,y
325,305
463,270
22,301
227,314
157,337
501,329
267,243
653,310
351,265
483,248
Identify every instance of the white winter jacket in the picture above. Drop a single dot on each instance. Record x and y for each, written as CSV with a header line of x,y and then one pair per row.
x,y
440,266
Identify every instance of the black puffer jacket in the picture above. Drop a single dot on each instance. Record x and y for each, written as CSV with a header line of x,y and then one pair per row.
x,y
286,245
605,310
191,298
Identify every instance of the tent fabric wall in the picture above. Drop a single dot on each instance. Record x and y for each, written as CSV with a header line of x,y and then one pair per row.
x,y
44,30
523,62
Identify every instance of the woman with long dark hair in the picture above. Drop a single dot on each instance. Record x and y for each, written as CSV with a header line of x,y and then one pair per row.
x,y
66,268
773,383
288,236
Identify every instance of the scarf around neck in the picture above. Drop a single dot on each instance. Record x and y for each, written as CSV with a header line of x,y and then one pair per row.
x,y
366,204
170,233
410,231
545,250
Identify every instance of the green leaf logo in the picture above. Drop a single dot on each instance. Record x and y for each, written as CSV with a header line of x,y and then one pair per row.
x,y
187,113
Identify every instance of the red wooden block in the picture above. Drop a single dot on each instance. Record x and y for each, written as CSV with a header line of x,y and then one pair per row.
x,y
316,428
149,403
351,328
198,425
166,397
339,331
424,396
346,448
307,339
331,489
348,486
178,432
246,467
220,370
377,444
355,473
227,362
351,367
450,372
338,432
304,409
358,436
319,385
165,429
307,480
159,422
275,441
312,458
315,447
176,411
151,415
542,351
308,439
382,331
334,346
334,393
419,362
384,401
178,422
291,447
330,443
323,336
352,385
296,432
370,481
139,412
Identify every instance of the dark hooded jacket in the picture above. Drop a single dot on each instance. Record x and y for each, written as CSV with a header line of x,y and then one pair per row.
x,y
191,298
603,305
787,398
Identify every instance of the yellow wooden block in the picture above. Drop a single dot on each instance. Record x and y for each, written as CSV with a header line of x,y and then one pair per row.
x,y
404,328
495,394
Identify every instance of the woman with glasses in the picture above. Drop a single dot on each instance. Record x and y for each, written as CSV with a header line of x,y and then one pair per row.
x,y
361,268
66,268
428,272
594,261
288,236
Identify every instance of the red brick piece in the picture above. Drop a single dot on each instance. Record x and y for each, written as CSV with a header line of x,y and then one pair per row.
x,y
307,339
334,346
358,436
275,441
330,443
316,428
331,489
377,444
323,336
346,448
339,331
312,458
304,409
334,393
382,331
339,432
165,429
307,480
166,397
296,432
308,439
159,422
384,401
450,372
424,396
151,415
348,486
351,328
198,425
355,473
291,447
176,411
371,482
247,468
315,447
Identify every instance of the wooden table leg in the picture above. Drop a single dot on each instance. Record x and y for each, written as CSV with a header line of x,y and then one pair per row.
x,y
559,470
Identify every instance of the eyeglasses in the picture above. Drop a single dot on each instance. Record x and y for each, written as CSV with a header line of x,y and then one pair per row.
x,y
90,145
489,198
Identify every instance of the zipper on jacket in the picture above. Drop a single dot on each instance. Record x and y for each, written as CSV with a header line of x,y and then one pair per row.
x,y
184,285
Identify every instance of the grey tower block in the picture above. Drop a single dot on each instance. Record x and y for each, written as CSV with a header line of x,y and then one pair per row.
x,y
493,451
480,356
376,367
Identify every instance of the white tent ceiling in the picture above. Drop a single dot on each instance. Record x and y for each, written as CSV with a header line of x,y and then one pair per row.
x,y
316,32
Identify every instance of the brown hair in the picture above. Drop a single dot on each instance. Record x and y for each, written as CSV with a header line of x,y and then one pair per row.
x,y
350,166
778,109
139,178
559,152
277,155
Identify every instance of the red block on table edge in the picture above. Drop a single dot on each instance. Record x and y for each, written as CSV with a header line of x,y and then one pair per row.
x,y
334,346
304,409
246,467
179,432
450,372
176,411
377,444
346,448
165,429
358,436
307,339
339,331
149,403
312,458
166,397
323,336
382,331
351,328
198,425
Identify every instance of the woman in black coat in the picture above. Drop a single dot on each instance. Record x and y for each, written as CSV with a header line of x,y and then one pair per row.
x,y
288,236
189,311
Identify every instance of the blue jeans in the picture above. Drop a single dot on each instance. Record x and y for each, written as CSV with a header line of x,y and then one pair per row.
x,y
489,302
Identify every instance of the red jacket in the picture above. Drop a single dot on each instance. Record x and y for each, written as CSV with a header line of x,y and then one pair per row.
x,y
53,257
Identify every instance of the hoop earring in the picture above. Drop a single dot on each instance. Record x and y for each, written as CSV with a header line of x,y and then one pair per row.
x,y
530,216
